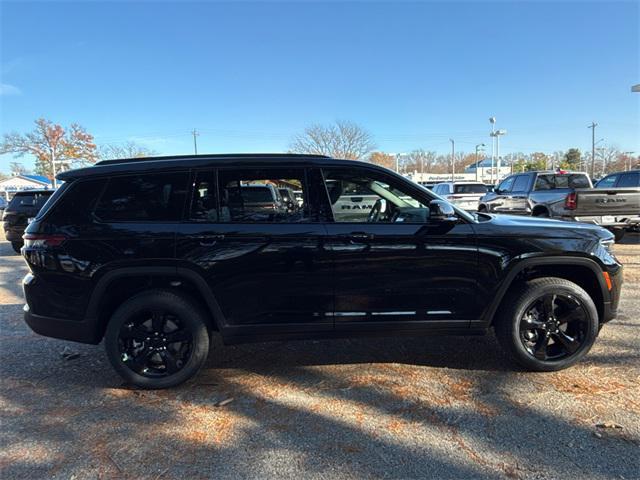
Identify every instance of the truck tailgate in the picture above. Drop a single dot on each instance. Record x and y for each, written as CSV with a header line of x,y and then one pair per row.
x,y
607,201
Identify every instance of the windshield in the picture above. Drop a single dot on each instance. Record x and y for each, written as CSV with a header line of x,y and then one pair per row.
x,y
28,200
470,188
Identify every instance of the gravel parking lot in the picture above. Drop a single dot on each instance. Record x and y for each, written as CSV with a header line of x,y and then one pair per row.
x,y
442,407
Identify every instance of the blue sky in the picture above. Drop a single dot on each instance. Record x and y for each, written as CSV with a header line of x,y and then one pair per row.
x,y
250,75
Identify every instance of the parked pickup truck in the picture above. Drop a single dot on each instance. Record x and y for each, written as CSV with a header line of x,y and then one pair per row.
x,y
565,196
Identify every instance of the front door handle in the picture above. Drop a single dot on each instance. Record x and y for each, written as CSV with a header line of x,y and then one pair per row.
x,y
360,236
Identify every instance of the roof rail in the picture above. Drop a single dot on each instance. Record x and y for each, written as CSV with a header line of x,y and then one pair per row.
x,y
209,156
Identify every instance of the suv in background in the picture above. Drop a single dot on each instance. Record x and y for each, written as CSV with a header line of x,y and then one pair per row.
x,y
465,195
152,255
22,207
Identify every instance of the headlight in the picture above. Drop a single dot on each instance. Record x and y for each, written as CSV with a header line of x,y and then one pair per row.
x,y
607,244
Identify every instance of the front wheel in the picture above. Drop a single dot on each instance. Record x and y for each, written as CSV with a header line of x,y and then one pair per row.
x,y
157,339
547,324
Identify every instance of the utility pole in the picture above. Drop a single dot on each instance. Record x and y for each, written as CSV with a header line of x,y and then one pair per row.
x,y
195,142
53,168
453,159
593,147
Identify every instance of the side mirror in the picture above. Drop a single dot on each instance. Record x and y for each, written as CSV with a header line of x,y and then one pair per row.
x,y
441,211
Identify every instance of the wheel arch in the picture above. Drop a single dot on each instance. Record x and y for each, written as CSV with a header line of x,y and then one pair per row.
x,y
584,272
538,209
116,286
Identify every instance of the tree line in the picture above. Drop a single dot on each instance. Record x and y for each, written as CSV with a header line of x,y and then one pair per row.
x,y
56,148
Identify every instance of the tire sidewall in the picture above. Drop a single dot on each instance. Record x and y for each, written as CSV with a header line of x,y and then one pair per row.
x,y
180,306
527,298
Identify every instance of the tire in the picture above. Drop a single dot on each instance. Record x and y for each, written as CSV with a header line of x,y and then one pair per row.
x,y
141,355
542,213
16,246
522,334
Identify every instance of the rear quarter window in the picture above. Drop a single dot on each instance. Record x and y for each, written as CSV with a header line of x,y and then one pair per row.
x,y
73,203
477,188
629,180
157,197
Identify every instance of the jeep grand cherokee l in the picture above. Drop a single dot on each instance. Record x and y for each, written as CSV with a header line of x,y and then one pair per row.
x,y
152,255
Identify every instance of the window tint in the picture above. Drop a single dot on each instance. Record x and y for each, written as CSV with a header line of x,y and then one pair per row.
x,y
75,203
29,200
252,195
471,188
506,184
551,181
391,202
145,197
630,180
204,205
607,182
521,183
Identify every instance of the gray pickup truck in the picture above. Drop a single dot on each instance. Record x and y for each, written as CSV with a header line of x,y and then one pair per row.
x,y
565,196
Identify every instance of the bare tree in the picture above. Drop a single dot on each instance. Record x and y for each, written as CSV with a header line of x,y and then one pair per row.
x,y
420,161
343,140
17,168
383,159
124,150
54,147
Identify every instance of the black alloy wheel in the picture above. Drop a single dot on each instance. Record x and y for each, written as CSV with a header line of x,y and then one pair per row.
x,y
155,344
554,326
158,339
547,324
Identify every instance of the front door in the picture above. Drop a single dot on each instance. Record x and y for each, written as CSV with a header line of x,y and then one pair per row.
x,y
394,268
264,262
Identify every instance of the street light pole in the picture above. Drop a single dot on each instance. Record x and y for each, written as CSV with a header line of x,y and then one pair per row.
x,y
593,147
195,142
492,120
477,166
453,159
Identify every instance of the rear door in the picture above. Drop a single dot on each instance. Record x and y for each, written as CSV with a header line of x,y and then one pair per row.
x,y
520,194
267,270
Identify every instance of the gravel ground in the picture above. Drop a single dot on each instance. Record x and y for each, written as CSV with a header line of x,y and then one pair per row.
x,y
397,408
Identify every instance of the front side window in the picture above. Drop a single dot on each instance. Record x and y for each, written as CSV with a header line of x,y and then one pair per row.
x,y
521,183
254,195
363,196
607,182
143,197
506,185
204,204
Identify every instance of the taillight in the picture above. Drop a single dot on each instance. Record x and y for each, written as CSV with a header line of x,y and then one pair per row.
x,y
571,202
42,240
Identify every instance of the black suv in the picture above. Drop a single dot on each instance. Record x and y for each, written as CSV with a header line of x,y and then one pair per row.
x,y
152,255
22,207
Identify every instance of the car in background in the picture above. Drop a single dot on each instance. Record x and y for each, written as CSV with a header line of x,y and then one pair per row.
x,y
3,204
564,196
629,179
23,207
289,198
465,195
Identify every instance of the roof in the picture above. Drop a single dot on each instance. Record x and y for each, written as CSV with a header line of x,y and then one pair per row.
x,y
182,162
37,178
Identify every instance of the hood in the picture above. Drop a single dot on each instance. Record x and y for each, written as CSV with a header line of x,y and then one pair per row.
x,y
516,224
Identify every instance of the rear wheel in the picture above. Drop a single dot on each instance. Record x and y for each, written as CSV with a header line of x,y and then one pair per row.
x,y
541,213
547,324
16,246
157,339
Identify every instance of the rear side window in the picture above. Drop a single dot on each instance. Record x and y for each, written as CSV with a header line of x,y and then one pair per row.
x,y
145,197
551,181
253,195
607,182
30,200
629,180
477,188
